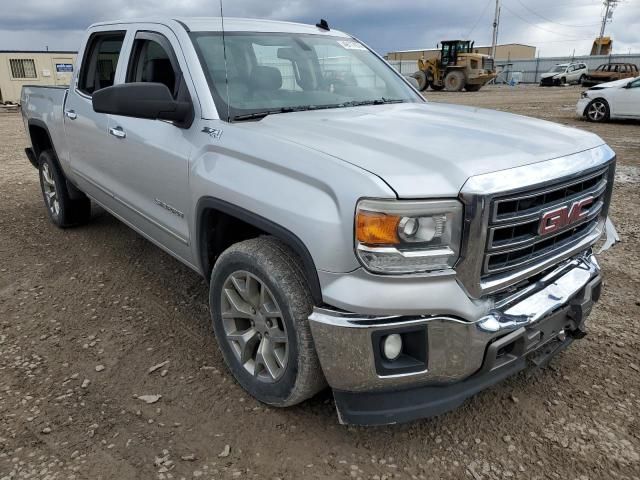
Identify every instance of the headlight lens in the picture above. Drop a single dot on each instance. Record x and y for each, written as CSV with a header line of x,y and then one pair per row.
x,y
397,237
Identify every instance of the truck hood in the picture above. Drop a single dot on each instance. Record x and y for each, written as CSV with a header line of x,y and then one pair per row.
x,y
614,84
426,150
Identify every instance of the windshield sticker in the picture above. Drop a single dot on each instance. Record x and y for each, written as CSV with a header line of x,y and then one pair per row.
x,y
351,45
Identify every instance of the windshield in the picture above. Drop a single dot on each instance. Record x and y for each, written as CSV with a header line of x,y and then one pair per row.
x,y
283,72
558,69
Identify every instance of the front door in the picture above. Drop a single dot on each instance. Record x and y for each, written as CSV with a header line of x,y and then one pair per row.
x,y
627,102
151,157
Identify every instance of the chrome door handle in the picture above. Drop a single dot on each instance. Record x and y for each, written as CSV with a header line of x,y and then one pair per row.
x,y
70,114
118,132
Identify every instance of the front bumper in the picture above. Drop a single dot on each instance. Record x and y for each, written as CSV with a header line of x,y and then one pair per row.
x,y
461,357
581,106
550,81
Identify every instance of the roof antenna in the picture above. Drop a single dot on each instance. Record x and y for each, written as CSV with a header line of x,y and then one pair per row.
x,y
226,71
323,25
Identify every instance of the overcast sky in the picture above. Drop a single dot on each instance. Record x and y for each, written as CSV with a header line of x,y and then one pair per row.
x,y
556,27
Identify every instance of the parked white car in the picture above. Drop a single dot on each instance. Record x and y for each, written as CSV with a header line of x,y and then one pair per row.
x,y
619,99
564,73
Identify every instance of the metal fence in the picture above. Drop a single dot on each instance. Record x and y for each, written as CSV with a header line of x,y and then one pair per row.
x,y
532,69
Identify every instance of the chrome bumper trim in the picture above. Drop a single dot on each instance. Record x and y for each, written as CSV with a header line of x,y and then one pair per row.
x,y
456,348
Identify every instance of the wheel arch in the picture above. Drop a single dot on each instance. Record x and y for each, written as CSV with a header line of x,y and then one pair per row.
x,y
40,137
41,141
243,224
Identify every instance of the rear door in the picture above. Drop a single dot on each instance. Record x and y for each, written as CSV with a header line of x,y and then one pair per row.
x,y
150,158
86,130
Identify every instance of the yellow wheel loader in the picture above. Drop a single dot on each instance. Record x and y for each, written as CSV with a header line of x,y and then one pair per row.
x,y
455,68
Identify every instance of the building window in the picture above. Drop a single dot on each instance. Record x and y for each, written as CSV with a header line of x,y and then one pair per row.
x,y
23,68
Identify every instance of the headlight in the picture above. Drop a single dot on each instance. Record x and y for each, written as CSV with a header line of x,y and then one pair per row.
x,y
408,237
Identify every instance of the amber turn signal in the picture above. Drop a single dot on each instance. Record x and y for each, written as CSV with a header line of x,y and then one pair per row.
x,y
373,228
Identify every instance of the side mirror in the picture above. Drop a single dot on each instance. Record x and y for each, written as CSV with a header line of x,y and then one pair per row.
x,y
142,100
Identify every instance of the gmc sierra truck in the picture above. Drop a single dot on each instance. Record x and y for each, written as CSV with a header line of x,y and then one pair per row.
x,y
407,254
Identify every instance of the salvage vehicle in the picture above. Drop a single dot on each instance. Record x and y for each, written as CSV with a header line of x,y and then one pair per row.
x,y
286,164
613,100
455,68
564,73
610,72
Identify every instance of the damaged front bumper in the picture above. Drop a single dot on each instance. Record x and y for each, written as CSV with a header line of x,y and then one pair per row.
x,y
446,359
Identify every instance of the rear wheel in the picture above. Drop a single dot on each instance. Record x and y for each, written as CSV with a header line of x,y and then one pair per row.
x,y
260,304
454,81
62,209
421,78
473,88
597,110
582,79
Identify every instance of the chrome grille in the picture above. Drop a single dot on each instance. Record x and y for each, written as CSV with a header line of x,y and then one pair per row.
x,y
513,238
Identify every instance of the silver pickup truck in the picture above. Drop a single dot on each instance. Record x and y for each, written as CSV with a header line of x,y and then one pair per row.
x,y
408,254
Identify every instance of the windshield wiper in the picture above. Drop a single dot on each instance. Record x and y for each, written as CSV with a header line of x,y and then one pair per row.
x,y
304,108
377,101
261,115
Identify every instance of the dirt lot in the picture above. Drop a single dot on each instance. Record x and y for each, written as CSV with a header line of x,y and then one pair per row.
x,y
85,313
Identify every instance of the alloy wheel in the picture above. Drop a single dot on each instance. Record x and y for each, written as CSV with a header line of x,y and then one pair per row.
x,y
50,191
254,326
597,111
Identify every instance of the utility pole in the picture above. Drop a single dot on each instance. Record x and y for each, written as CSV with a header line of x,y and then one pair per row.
x,y
496,23
609,7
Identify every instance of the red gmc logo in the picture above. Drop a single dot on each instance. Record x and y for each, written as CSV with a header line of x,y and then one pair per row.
x,y
559,218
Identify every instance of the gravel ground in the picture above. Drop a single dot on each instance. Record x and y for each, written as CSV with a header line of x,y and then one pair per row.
x,y
86,313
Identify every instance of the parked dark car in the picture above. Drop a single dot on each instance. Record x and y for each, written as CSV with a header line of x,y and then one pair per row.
x,y
609,72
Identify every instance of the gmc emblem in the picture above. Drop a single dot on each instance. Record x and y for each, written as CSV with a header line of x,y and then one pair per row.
x,y
555,220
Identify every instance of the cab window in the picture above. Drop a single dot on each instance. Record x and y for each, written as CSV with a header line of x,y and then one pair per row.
x,y
151,61
100,61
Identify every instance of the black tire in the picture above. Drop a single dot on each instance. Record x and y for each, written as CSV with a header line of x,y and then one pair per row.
x,y
473,88
582,79
454,81
563,81
437,88
421,78
279,269
63,211
597,111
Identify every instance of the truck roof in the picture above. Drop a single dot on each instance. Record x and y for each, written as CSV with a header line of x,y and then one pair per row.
x,y
231,24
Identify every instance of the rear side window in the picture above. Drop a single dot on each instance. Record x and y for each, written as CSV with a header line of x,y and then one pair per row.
x,y
151,62
100,61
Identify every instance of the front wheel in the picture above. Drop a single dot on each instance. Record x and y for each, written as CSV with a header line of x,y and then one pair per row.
x,y
421,78
260,305
597,110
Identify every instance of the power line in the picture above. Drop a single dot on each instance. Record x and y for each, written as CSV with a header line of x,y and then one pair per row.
x,y
484,11
557,23
537,26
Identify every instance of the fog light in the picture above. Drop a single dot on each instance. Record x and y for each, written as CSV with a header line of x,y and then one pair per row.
x,y
392,346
